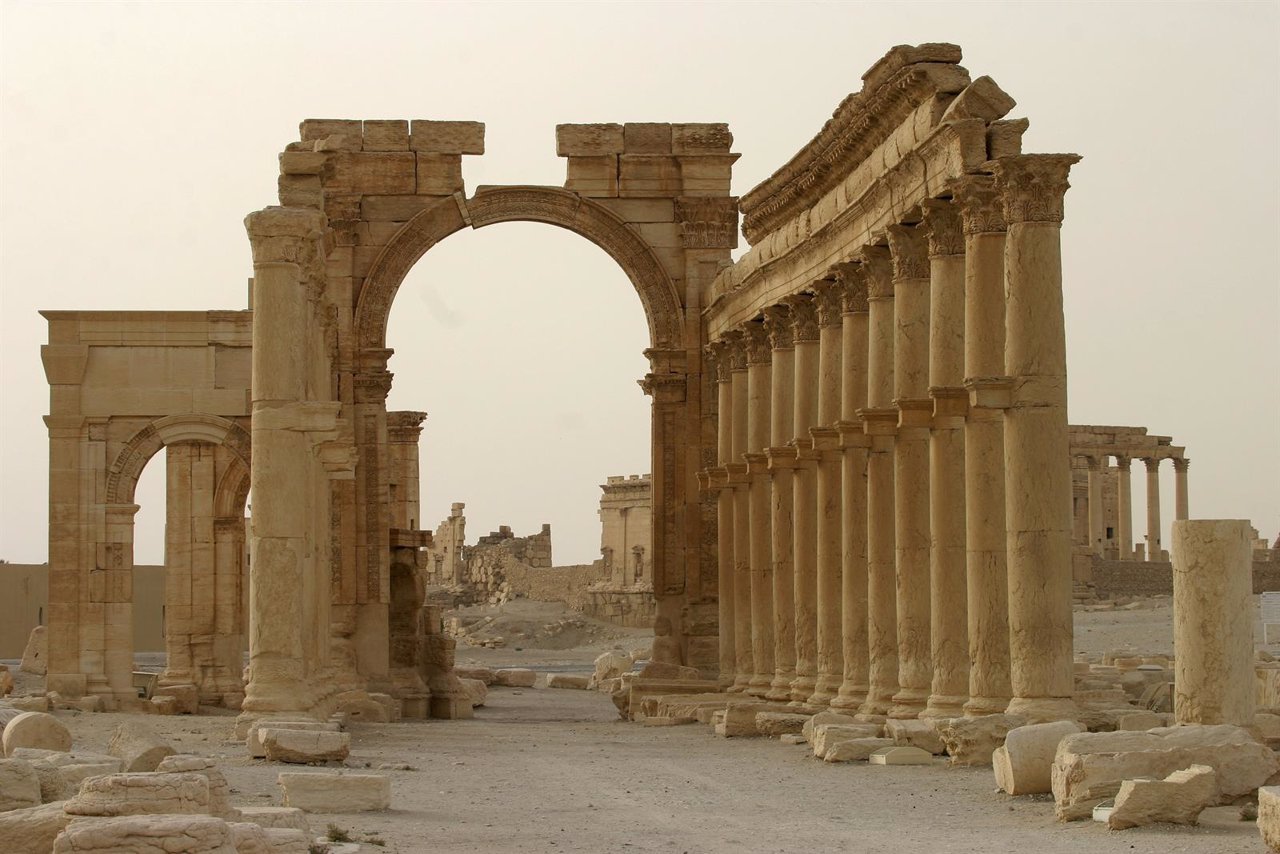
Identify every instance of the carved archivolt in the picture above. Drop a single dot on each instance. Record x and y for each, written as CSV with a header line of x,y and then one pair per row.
x,y
122,475
549,205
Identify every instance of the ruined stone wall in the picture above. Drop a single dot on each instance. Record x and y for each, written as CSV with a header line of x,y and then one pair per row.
x,y
1113,578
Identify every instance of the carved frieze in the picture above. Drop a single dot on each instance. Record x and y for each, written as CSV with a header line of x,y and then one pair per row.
x,y
707,223
1033,185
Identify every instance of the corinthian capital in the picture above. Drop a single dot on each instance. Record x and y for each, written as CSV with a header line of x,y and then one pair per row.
x,y
804,316
853,287
879,271
1033,185
981,208
718,360
734,350
756,336
777,322
942,224
827,297
910,250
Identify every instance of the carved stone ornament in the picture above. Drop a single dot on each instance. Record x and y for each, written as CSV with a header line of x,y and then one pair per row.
x,y
707,223
759,351
826,294
878,271
853,287
372,386
981,208
735,349
717,360
804,316
910,249
942,222
777,320
1033,185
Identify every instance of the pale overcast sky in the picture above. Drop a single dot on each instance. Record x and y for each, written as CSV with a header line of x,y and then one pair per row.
x,y
135,138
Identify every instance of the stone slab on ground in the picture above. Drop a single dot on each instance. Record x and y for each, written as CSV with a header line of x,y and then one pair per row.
x,y
484,674
253,739
777,724
304,747
972,740
290,818
901,755
915,733
1023,765
826,718
219,790
320,792
1177,799
141,793
138,747
147,834
477,691
573,681
35,729
33,829
855,749
515,677
824,736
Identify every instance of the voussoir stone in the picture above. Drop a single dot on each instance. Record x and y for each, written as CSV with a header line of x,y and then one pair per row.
x,y
321,792
19,785
141,794
1024,763
147,834
138,747
305,747
1177,799
1089,767
971,741
35,729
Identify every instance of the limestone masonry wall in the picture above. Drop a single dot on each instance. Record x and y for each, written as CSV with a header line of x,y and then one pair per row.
x,y
1112,578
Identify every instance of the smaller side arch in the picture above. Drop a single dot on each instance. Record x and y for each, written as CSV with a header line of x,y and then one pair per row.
x,y
122,475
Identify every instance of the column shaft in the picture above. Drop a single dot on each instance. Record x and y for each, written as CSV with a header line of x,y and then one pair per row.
x,y
759,393
744,665
805,496
1097,529
1153,508
826,439
1124,508
781,464
724,511
1181,509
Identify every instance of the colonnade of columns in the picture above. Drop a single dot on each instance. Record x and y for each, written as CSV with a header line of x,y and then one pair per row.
x,y
894,486
1097,525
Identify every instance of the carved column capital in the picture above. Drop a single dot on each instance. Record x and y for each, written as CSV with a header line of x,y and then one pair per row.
x,y
777,322
718,360
942,224
1123,462
981,207
828,298
853,287
1033,185
734,349
804,317
284,235
910,249
1181,464
1152,463
756,337
878,269
1093,462
372,386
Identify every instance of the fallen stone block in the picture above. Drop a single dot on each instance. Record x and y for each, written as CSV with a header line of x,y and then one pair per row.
x,y
900,755
777,724
826,718
19,785
289,818
141,793
32,829
792,738
515,677
36,654
1177,799
6,681
61,773
138,747
610,665
484,674
855,749
915,733
1266,728
253,740
319,792
305,748
147,834
359,707
249,838
667,670
664,721
1023,765
1089,767
91,703
287,841
35,729
971,741
219,790
826,735
8,713
574,681
186,696
1139,720
477,691
29,704
1268,817
163,704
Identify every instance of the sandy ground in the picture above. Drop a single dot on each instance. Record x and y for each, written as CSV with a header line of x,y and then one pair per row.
x,y
542,770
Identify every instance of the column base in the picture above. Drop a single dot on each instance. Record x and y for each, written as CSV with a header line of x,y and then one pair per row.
x,y
740,683
908,703
802,688
979,706
850,698
876,708
759,685
1041,710
942,706
780,688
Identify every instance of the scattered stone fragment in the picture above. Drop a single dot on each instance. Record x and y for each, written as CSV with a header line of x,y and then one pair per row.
x,y
576,681
777,724
915,733
826,718
303,747
855,749
147,834
971,741
610,665
1139,720
219,790
1177,799
290,818
900,755
667,670
320,792
484,674
163,704
186,697
1023,765
792,738
35,729
32,829
254,739
477,691
826,735
1268,816
138,747
29,704
36,654
141,793
515,677
666,721
6,681
19,785
90,703
61,773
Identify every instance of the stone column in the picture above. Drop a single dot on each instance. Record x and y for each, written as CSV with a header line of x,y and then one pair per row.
x,y
948,625
982,217
826,441
282,460
737,477
1213,617
804,315
1097,524
1037,466
782,461
911,467
854,445
1153,507
880,421
759,392
1124,508
1180,504
720,360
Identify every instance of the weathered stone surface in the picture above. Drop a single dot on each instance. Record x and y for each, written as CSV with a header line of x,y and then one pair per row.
x,y
138,747
574,681
35,656
186,697
362,708
1177,799
515,677
1268,817
164,704
29,704
61,773
826,735
321,792
667,670
141,794
254,739
484,674
290,818
1089,767
610,665
249,838
6,681
855,749
775,724
8,713
901,755
33,829
147,834
35,729
303,747
792,738
219,790
915,733
19,785
826,718
1023,765
971,741
477,691
1139,720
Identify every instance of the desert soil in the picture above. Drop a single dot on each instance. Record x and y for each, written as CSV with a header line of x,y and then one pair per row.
x,y
542,770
